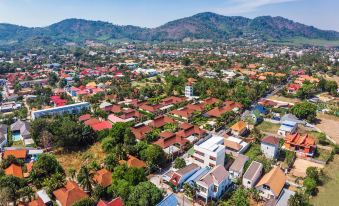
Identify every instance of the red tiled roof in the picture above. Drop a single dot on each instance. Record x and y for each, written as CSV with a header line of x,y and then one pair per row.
x,y
133,162
19,153
115,202
91,121
84,117
270,140
101,126
69,194
103,177
37,202
141,131
161,121
185,112
14,170
299,140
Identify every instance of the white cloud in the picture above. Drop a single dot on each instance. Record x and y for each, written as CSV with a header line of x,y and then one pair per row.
x,y
245,6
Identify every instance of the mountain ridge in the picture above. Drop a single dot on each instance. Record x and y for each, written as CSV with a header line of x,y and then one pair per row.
x,y
205,25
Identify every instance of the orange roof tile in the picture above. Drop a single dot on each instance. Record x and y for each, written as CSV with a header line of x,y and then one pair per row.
x,y
103,177
14,170
19,153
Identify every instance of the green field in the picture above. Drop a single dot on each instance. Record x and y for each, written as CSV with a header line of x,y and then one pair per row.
x,y
268,127
328,192
304,41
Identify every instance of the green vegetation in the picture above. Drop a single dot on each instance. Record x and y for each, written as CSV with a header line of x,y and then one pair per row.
x,y
268,127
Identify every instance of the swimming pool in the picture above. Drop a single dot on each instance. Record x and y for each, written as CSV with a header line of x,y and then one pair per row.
x,y
16,136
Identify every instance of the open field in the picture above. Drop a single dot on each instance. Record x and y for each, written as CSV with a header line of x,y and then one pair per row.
x,y
304,41
329,125
76,159
284,99
328,192
268,127
300,166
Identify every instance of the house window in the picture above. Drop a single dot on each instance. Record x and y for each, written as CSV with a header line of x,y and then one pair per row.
x,y
202,189
200,153
211,165
215,189
266,187
249,182
212,158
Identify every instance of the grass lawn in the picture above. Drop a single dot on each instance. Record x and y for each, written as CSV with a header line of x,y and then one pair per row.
x,y
322,154
76,159
268,127
18,144
328,192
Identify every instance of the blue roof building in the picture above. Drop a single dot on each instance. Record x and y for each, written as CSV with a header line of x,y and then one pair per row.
x,y
261,109
170,200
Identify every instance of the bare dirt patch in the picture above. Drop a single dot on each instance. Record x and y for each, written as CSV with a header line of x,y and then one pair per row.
x,y
75,160
329,125
300,166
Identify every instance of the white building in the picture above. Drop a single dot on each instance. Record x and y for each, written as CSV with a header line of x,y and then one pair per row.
x,y
3,136
209,152
214,183
189,90
252,175
270,147
237,167
287,127
235,146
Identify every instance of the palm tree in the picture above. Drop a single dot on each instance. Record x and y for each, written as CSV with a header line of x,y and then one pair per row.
x,y
72,173
85,179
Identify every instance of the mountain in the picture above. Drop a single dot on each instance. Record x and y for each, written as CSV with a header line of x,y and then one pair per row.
x,y
207,25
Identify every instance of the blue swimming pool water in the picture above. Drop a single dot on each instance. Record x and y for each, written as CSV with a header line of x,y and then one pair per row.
x,y
16,136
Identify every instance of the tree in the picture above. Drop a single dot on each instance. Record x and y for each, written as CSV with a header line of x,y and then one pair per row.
x,y
110,162
190,190
238,198
72,173
10,188
312,172
85,179
56,181
179,163
305,110
310,186
43,168
153,135
145,194
298,199
5,195
85,202
154,155
120,188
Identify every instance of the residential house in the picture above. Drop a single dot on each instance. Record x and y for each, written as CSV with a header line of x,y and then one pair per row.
x,y
211,101
237,168
168,139
284,196
197,175
115,202
261,109
153,109
20,130
161,121
303,145
183,113
235,146
209,152
214,183
69,194
106,106
191,132
287,127
270,147
239,128
252,175
293,88
103,177
140,131
272,183
133,162
3,136
251,117
227,106
169,200
181,175
17,153
14,170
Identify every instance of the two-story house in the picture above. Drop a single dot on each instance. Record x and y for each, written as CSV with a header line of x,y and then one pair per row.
x,y
214,183
271,184
237,167
270,147
252,175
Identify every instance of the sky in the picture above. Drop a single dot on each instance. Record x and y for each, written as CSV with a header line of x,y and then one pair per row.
x,y
322,14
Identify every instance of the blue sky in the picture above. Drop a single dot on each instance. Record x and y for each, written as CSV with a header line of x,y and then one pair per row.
x,y
151,13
